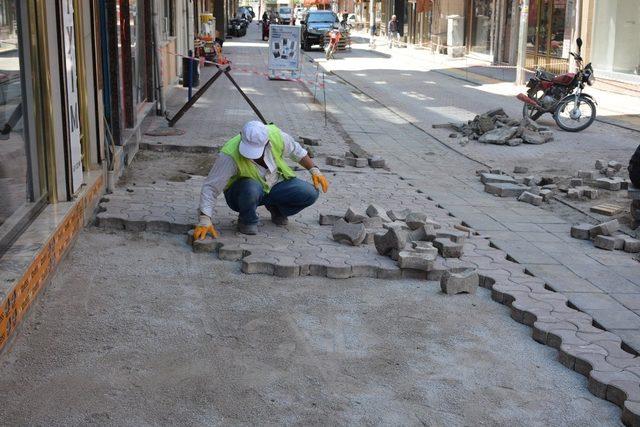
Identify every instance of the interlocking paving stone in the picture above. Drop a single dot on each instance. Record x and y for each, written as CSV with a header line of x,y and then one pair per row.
x,y
306,248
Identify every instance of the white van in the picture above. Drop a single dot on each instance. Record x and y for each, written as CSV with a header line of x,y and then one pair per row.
x,y
284,15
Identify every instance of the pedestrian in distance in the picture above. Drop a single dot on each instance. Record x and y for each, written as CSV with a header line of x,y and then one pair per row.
x,y
392,30
251,171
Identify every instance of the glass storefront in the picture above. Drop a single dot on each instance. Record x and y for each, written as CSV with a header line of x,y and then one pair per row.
x,y
549,34
481,26
616,39
15,182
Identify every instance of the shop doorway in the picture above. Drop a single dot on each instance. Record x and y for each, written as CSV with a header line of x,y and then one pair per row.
x,y
549,34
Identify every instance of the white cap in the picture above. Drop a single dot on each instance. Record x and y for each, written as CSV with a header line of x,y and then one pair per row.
x,y
253,139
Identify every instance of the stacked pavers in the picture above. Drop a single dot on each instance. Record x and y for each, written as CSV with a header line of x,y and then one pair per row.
x,y
605,236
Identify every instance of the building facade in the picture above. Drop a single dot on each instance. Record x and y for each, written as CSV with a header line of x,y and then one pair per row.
x,y
488,30
77,77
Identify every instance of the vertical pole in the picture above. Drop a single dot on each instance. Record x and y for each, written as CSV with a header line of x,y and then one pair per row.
x,y
522,42
372,23
190,75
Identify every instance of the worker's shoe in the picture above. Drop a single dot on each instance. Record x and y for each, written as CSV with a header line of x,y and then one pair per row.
x,y
250,229
276,217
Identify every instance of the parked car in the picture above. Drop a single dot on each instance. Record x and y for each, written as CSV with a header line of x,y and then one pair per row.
x,y
315,25
284,15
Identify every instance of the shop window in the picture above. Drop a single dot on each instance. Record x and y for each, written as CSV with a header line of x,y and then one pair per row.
x,y
481,27
169,11
15,168
616,36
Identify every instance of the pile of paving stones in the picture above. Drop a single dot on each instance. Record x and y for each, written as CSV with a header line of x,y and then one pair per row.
x,y
496,127
356,160
531,189
585,184
412,239
606,236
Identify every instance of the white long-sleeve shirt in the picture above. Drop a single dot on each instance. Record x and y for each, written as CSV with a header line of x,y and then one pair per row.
x,y
225,167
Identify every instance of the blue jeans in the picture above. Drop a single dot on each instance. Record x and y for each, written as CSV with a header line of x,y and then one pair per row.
x,y
289,197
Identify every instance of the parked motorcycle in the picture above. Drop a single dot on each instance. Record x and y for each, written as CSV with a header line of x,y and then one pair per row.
x,y
334,38
562,96
238,27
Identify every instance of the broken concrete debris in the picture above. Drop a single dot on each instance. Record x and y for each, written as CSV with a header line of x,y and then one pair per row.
x,y
496,127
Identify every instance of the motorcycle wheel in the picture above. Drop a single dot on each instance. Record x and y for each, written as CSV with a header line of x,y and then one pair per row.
x,y
567,107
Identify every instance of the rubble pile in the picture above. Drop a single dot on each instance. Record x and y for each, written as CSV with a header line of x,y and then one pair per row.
x,y
496,127
605,236
416,242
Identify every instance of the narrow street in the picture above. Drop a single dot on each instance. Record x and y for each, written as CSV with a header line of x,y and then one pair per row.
x,y
138,328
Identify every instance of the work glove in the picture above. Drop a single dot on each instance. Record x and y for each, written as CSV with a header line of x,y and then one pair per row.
x,y
318,179
204,227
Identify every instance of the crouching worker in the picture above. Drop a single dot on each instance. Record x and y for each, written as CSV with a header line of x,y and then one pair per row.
x,y
251,171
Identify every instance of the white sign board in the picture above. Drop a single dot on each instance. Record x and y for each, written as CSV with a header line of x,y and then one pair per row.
x,y
73,109
284,51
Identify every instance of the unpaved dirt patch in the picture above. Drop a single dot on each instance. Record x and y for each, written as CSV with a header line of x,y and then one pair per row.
x,y
149,167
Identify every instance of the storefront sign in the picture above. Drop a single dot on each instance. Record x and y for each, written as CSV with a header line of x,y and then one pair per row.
x,y
73,109
284,51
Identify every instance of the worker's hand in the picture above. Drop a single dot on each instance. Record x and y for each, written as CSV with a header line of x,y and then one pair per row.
x,y
204,227
318,179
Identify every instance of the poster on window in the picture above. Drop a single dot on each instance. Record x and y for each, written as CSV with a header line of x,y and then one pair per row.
x,y
284,51
73,110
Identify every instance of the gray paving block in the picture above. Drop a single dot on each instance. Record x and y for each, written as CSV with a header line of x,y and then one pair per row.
x,y
487,178
335,161
631,245
344,232
354,215
394,238
453,235
530,198
505,189
425,247
447,248
581,231
608,184
452,282
374,211
398,215
604,229
608,243
377,162
416,260
328,219
415,220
